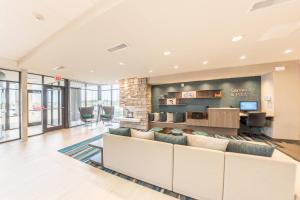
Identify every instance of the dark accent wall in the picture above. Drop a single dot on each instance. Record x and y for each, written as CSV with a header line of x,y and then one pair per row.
x,y
234,90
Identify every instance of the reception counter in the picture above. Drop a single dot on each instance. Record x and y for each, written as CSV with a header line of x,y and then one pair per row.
x,y
223,121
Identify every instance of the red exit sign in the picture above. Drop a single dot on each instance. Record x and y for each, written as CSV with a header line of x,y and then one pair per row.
x,y
57,77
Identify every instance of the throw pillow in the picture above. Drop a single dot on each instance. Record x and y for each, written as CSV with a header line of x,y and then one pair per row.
x,y
250,148
120,131
150,117
182,140
207,142
156,129
148,135
200,133
156,117
178,117
169,117
162,117
176,131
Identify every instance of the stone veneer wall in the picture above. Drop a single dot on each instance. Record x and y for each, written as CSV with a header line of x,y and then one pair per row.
x,y
135,95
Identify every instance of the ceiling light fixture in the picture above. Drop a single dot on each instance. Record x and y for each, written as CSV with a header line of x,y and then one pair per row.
x,y
243,57
150,71
59,68
91,71
280,68
166,53
205,62
176,67
121,63
237,38
38,16
288,51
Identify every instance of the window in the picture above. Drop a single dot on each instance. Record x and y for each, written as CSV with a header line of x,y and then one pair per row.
x,y
85,94
110,96
9,105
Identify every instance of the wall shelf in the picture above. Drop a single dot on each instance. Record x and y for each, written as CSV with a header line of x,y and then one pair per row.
x,y
199,94
172,104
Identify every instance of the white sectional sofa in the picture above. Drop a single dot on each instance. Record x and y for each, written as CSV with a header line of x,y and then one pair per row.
x,y
200,173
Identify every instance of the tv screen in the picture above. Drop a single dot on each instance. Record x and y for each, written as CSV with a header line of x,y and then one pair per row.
x,y
248,105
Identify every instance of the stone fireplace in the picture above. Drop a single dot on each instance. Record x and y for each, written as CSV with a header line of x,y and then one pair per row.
x,y
135,99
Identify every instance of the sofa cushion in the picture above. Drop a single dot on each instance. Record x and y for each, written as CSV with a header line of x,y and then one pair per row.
x,y
150,117
162,117
120,131
207,142
168,138
170,117
176,131
148,135
156,117
178,117
156,129
250,148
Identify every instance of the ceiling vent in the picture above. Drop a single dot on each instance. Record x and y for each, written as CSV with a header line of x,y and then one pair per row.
x,y
117,47
266,3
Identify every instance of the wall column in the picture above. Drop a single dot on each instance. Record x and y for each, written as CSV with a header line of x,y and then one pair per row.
x,y
24,105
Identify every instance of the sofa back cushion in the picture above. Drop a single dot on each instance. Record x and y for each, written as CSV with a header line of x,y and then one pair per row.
x,y
178,117
148,135
168,138
170,117
120,131
250,148
156,117
207,142
162,116
150,117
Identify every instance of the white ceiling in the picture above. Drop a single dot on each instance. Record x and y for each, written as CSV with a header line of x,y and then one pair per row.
x,y
20,31
193,30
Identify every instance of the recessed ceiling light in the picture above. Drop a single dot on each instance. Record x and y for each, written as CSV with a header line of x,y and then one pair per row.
x,y
166,53
38,16
176,67
121,63
150,71
59,68
205,62
243,57
116,81
237,38
288,51
280,68
91,71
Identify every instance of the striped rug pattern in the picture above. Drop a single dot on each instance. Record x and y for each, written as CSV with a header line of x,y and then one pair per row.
x,y
82,151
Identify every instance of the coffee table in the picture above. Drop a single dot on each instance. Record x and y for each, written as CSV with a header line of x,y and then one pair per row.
x,y
98,158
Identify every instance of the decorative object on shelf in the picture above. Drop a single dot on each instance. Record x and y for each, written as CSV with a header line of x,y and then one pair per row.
x,y
190,94
171,101
128,113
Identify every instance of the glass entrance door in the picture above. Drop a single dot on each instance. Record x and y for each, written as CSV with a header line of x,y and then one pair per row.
x,y
35,112
54,109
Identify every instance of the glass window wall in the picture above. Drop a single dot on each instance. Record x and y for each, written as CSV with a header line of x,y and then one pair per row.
x,y
9,105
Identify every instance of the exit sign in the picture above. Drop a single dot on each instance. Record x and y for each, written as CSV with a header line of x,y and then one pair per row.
x,y
57,77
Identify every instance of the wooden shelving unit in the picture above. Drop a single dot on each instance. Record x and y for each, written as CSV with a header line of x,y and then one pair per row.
x,y
200,94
